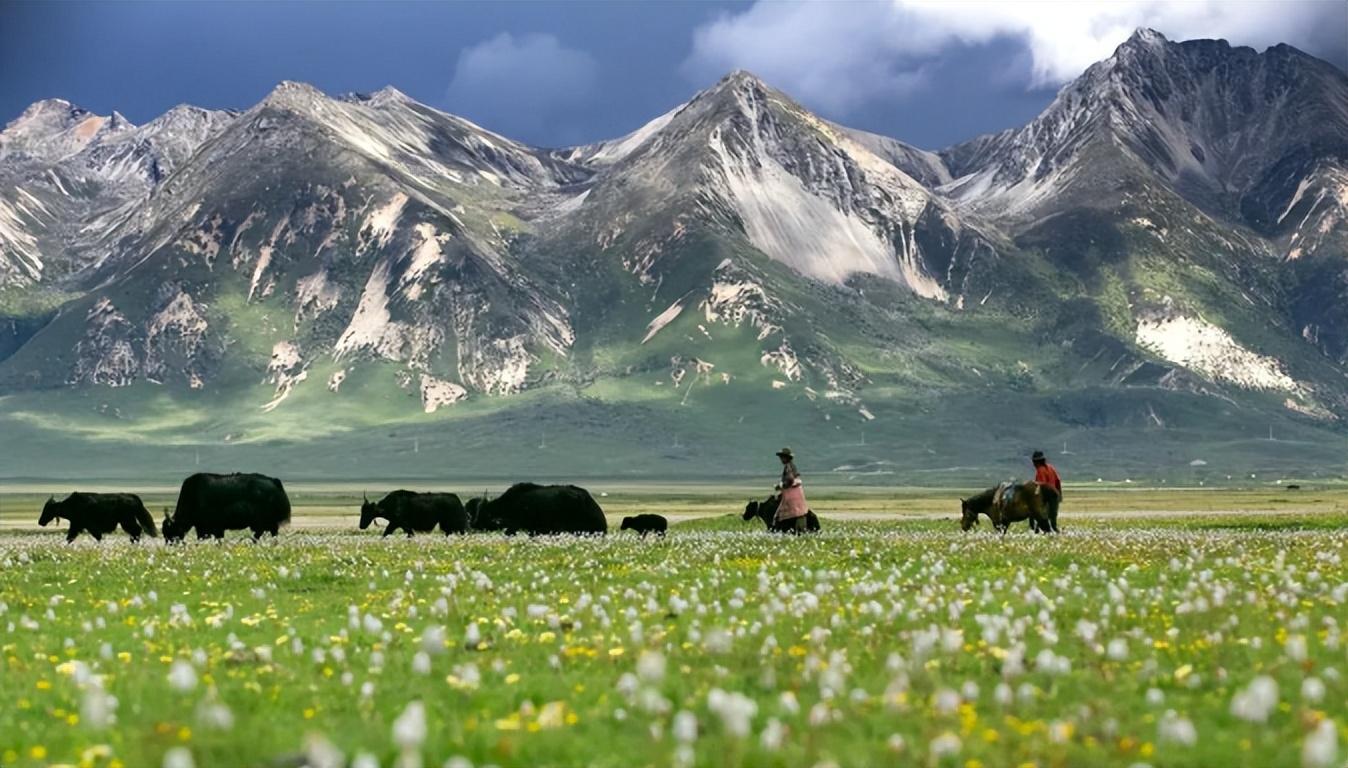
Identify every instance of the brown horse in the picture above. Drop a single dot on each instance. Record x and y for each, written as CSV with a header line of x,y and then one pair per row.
x,y
1006,504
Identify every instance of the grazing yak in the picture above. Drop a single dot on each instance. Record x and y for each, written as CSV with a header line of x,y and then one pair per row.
x,y
539,510
1009,503
100,513
419,512
644,524
767,512
214,504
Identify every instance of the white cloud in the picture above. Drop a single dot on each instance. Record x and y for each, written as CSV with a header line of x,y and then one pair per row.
x,y
517,84
842,55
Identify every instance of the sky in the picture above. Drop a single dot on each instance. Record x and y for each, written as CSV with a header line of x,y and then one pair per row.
x,y
557,74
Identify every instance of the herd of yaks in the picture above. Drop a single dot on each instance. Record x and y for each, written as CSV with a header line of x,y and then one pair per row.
x,y
212,504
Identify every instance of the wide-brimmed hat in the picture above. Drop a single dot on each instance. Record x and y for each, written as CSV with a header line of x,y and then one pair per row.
x,y
786,452
1037,456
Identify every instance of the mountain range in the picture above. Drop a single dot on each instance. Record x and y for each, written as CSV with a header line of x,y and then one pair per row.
x,y
1154,269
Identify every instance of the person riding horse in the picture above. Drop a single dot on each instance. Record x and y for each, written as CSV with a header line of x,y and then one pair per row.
x,y
793,507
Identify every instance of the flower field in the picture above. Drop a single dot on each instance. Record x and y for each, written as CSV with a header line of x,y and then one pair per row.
x,y
871,644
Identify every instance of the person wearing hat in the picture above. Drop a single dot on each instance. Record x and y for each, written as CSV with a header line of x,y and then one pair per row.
x,y
1048,479
792,506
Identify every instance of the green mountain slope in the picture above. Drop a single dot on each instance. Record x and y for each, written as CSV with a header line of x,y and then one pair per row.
x,y
364,286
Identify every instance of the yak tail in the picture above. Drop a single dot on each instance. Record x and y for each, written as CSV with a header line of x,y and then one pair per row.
x,y
146,521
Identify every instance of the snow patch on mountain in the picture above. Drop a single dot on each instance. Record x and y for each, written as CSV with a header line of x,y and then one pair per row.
x,y
503,366
424,255
1200,346
315,294
663,319
1326,214
104,354
438,393
381,222
285,370
734,299
19,254
810,234
783,220
174,336
783,358
372,327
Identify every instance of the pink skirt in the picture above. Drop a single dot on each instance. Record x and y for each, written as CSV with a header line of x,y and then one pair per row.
x,y
793,503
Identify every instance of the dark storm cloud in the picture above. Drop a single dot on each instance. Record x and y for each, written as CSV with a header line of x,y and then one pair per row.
x,y
563,73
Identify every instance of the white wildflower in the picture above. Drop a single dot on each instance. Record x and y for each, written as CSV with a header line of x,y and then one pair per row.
x,y
685,727
735,710
409,730
1256,701
1174,729
421,663
944,745
182,676
179,757
651,666
1321,747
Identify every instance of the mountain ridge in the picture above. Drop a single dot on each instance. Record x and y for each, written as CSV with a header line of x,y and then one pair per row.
x,y
317,254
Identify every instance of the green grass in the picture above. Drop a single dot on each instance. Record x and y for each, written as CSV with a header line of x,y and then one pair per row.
x,y
892,632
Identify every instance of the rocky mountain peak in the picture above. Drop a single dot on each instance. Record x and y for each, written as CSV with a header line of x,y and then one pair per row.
x,y
740,89
290,94
1145,38
47,109
55,128
389,94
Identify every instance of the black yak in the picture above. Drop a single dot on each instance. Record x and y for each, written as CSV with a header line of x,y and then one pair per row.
x,y
100,513
539,510
645,524
767,512
214,504
419,512
1009,503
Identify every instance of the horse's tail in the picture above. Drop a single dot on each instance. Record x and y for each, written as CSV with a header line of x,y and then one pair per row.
x,y
146,521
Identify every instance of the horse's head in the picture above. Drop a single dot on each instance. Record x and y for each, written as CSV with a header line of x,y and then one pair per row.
x,y
968,515
368,512
751,510
48,511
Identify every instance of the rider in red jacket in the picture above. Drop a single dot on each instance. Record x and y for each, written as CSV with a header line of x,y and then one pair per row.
x,y
1047,476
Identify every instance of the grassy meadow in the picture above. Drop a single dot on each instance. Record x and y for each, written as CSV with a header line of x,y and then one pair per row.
x,y
1163,627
